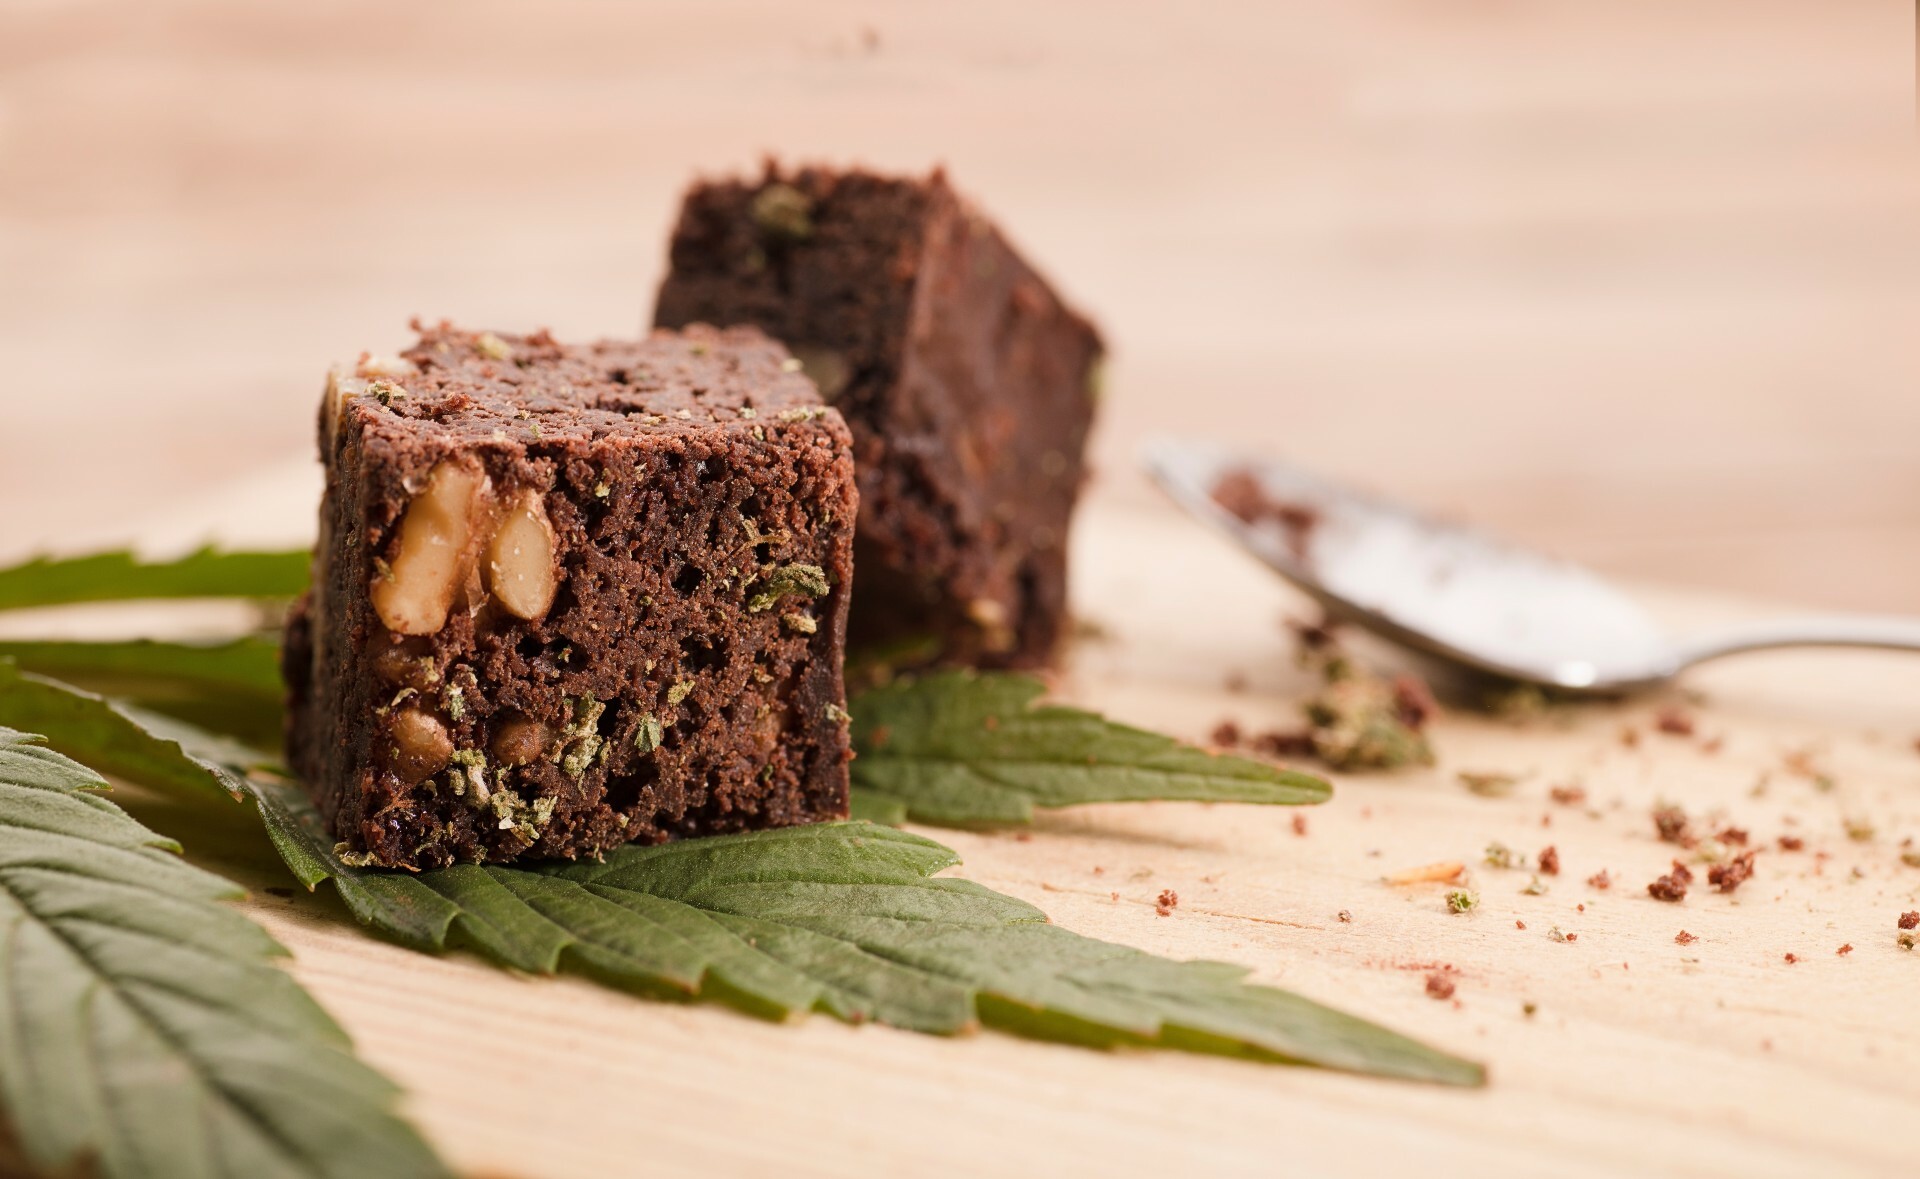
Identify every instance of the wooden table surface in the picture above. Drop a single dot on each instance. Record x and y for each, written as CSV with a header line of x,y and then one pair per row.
x,y
1640,1055
1636,283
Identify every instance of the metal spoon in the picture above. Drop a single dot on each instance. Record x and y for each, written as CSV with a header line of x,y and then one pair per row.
x,y
1466,597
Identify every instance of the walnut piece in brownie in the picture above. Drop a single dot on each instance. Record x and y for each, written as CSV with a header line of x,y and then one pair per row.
x,y
968,383
565,597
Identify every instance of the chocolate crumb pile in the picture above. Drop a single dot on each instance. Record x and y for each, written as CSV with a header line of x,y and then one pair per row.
x,y
1729,876
1356,721
1672,887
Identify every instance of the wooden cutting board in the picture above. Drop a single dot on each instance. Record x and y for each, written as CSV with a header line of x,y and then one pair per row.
x,y
1617,1051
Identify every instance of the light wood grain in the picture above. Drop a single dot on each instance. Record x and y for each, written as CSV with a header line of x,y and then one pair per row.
x,y
1641,1056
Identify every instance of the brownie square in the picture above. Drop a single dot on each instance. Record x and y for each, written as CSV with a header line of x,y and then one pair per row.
x,y
565,597
968,383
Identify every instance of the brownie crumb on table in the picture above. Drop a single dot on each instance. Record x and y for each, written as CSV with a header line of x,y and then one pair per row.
x,y
1673,885
1166,902
1550,860
1730,875
1674,721
1439,985
1684,938
969,385
1573,795
567,597
1602,880
1910,919
1671,824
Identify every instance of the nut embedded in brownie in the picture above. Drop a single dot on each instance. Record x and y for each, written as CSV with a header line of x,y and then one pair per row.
x,y
968,384
570,596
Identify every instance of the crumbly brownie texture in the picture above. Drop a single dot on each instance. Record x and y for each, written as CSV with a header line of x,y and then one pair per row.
x,y
968,384
567,597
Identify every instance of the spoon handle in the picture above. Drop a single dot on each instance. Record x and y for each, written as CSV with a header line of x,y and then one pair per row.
x,y
1886,631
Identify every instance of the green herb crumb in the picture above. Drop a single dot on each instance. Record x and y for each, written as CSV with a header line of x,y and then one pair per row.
x,y
649,735
353,859
1488,785
469,775
1460,900
783,211
580,742
810,580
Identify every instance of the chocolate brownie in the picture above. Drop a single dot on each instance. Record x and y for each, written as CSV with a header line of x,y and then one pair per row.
x,y
968,383
567,596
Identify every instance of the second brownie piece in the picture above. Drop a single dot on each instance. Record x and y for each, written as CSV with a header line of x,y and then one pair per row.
x,y
968,384
566,597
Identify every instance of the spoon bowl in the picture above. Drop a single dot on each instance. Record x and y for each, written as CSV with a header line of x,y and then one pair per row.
x,y
1457,593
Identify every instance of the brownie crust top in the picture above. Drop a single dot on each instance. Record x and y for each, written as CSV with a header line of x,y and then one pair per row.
x,y
475,387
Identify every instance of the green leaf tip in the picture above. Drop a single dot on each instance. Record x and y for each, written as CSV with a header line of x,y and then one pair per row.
x,y
964,748
119,738
145,1030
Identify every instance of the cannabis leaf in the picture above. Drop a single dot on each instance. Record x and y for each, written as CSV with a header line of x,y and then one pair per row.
x,y
845,918
232,687
120,576
121,739
144,1030
966,748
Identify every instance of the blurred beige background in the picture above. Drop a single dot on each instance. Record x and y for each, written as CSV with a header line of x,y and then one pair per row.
x,y
1637,282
